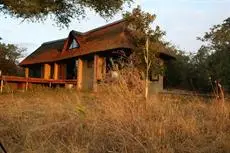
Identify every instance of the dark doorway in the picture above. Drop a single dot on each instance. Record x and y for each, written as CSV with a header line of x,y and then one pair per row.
x,y
71,71
35,71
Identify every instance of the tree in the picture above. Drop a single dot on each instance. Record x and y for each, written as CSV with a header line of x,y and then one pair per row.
x,y
140,24
147,41
210,63
9,56
62,10
217,44
178,72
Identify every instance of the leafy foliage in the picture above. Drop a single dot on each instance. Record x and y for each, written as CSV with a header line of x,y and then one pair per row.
x,y
218,61
210,63
177,71
9,56
62,10
140,24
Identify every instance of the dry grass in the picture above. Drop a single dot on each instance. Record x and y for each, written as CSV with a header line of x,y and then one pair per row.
x,y
113,120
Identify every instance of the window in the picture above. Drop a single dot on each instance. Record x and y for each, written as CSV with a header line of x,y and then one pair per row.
x,y
153,76
74,44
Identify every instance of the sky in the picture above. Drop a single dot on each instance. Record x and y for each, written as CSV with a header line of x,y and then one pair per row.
x,y
183,21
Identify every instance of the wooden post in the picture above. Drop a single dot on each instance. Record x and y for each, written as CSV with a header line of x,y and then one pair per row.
x,y
55,76
47,69
79,73
27,71
95,65
27,85
1,85
101,68
104,67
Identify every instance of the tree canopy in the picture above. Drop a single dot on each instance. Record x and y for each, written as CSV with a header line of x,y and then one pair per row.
x,y
9,56
211,62
62,10
140,23
217,52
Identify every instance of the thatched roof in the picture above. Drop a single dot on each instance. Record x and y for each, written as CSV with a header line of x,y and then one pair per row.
x,y
110,36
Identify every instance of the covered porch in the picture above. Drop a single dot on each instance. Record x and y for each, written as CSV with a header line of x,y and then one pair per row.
x,y
82,73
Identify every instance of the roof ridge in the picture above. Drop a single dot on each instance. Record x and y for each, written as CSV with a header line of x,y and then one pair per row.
x,y
87,32
104,26
76,32
53,41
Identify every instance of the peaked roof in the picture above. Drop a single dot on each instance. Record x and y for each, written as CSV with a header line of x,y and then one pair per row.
x,y
110,36
107,37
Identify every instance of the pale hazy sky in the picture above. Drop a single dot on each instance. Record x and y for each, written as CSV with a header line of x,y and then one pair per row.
x,y
183,21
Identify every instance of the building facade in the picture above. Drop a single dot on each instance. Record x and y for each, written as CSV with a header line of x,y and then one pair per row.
x,y
84,58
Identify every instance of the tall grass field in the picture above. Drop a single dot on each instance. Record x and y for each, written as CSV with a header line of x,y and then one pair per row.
x,y
112,120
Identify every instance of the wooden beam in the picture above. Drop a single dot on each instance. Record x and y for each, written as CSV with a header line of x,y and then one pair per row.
x,y
55,75
1,85
27,72
79,73
47,70
101,67
27,84
104,67
95,67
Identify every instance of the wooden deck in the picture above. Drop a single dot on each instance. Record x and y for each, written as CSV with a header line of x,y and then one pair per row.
x,y
27,81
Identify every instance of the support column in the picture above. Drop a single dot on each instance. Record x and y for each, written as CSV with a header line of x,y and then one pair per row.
x,y
79,73
161,77
104,67
47,69
95,67
27,72
101,68
1,83
1,88
55,75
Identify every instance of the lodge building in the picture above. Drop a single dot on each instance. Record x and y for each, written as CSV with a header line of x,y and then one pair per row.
x,y
82,59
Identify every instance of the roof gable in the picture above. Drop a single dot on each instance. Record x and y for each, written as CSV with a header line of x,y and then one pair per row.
x,y
110,36
71,42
